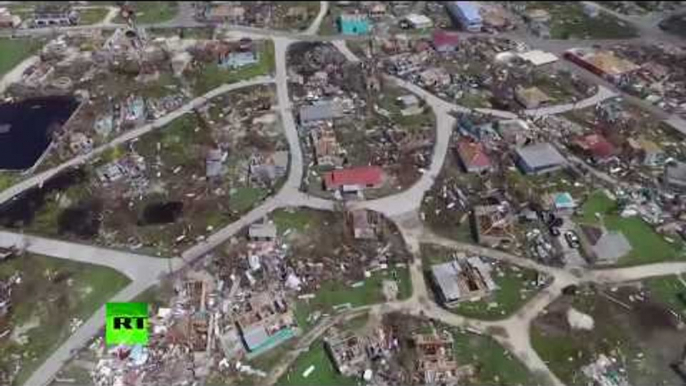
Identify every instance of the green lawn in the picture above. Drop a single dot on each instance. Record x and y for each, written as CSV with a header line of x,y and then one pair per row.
x,y
245,198
666,290
616,330
336,293
15,50
648,246
514,290
92,16
324,373
51,294
212,76
495,365
388,101
7,179
568,21
295,220
514,287
150,12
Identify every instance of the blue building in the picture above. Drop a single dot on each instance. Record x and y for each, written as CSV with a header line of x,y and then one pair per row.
x,y
353,24
466,15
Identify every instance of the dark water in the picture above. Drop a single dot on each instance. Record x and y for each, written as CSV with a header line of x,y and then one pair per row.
x,y
21,211
26,128
161,213
82,220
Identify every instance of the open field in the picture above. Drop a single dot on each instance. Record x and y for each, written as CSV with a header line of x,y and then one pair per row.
x,y
16,50
641,334
53,295
648,246
515,287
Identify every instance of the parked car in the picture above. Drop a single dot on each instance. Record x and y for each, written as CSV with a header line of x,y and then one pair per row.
x,y
572,239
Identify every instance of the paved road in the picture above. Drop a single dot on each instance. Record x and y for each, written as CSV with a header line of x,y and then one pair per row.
x,y
40,178
136,266
602,94
317,22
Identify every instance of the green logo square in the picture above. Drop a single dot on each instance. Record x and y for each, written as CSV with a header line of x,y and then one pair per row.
x,y
126,323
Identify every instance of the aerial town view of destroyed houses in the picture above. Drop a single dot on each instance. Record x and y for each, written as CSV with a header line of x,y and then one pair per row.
x,y
343,193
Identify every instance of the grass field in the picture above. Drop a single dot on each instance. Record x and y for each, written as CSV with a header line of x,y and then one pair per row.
x,y
324,373
648,246
496,366
15,50
92,16
568,21
150,12
8,179
667,290
336,293
514,287
52,293
213,76
643,338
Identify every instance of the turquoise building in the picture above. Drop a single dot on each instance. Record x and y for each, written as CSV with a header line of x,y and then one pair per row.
x,y
353,24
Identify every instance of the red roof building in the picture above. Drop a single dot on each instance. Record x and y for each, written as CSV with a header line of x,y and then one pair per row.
x,y
473,156
596,147
354,179
444,41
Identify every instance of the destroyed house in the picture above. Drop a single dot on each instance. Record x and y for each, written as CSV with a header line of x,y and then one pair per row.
x,y
531,97
347,352
363,224
648,152
445,41
312,114
354,179
472,156
596,147
435,363
326,150
461,279
7,20
492,225
265,322
225,13
54,14
267,168
539,158
434,344
416,21
602,63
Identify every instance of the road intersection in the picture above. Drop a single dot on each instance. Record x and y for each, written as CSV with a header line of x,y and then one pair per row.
x,y
402,208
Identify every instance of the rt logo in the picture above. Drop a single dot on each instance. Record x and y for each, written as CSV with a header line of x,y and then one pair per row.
x,y
126,323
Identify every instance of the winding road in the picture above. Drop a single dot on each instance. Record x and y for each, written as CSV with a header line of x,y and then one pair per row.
x,y
401,208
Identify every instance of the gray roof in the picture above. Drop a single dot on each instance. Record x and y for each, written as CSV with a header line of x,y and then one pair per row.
x,y
540,155
265,230
320,111
445,276
255,337
213,163
611,246
676,172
